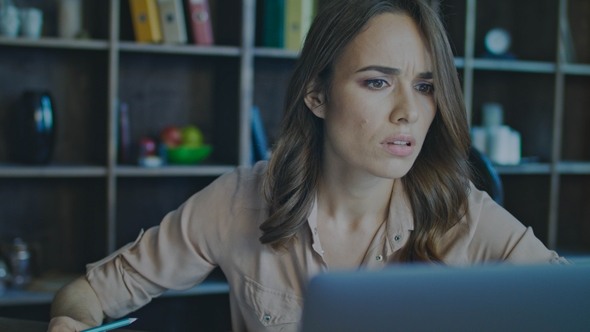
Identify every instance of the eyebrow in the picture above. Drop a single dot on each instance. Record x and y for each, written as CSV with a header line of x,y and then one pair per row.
x,y
394,71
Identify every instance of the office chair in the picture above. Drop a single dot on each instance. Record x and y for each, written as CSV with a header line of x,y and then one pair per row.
x,y
484,175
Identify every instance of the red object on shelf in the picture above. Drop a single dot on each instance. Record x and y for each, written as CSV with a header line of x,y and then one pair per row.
x,y
171,136
147,147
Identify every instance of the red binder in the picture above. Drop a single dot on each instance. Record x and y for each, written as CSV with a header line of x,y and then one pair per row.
x,y
200,21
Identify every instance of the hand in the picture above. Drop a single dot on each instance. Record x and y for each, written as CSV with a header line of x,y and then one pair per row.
x,y
67,324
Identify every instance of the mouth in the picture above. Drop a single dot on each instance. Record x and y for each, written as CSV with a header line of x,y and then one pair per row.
x,y
399,145
402,143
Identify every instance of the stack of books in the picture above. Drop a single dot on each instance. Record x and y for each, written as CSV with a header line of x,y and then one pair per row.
x,y
164,21
286,22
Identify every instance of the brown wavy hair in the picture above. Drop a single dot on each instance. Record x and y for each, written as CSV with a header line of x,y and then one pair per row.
x,y
437,185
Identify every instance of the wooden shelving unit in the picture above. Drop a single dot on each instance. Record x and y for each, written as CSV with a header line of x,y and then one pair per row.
x,y
96,204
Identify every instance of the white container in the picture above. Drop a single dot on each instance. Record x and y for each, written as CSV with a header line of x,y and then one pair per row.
x,y
69,18
9,22
31,22
492,115
479,139
504,145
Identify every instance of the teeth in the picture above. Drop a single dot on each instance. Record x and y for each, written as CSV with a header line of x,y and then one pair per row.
x,y
401,143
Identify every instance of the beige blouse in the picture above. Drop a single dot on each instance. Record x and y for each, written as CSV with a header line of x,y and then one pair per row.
x,y
218,226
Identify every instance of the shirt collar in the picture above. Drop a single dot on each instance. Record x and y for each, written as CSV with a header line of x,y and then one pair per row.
x,y
400,220
398,225
312,221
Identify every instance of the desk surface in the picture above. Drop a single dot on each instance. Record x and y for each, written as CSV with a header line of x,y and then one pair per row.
x,y
17,325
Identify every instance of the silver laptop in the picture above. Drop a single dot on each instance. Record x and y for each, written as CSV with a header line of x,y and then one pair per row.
x,y
427,298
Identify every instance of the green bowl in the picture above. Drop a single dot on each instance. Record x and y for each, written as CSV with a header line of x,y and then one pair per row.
x,y
187,155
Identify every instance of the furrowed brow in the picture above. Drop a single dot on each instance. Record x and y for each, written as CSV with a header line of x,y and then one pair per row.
x,y
425,76
384,70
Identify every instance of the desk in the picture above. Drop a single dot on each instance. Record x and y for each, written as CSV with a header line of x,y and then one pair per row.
x,y
17,325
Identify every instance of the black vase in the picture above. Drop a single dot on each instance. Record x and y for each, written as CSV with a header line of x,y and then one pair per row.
x,y
31,129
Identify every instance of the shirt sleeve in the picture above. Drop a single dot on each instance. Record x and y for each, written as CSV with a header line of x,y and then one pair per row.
x,y
496,235
177,254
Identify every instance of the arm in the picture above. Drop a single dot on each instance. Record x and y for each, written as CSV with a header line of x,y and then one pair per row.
x,y
75,307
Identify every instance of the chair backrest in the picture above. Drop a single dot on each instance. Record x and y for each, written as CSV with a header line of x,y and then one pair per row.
x,y
484,175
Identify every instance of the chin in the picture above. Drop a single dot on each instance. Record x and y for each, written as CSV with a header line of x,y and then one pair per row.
x,y
392,170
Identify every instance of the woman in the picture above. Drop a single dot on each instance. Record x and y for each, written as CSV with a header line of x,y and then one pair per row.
x,y
369,169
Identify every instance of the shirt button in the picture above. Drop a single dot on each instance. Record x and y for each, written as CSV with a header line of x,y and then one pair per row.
x,y
266,318
322,252
379,258
397,238
315,230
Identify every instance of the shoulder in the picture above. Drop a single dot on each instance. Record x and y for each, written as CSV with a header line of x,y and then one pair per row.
x,y
241,187
487,232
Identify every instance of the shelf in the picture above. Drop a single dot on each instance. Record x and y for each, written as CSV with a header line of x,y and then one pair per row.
x,y
576,69
13,297
531,168
563,167
230,51
47,42
267,52
573,167
514,65
200,170
51,171
460,62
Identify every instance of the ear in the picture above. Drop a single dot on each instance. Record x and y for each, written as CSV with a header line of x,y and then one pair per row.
x,y
315,99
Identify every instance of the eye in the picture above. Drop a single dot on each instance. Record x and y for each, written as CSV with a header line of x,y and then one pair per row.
x,y
425,88
376,84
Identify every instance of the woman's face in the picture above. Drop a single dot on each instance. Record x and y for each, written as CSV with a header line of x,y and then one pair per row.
x,y
381,101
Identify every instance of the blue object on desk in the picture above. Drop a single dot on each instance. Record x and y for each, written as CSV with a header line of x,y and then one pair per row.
x,y
112,326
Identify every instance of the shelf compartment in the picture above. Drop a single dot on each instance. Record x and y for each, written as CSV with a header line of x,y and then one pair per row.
x,y
171,171
225,15
51,171
229,51
527,100
579,26
53,42
573,232
575,144
62,219
77,81
173,89
514,65
532,38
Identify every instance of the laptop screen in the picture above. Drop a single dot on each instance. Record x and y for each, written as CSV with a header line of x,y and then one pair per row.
x,y
431,298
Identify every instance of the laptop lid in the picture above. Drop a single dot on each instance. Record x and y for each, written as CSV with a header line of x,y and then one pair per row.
x,y
431,298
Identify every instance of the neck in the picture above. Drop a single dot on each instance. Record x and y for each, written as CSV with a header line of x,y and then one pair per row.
x,y
354,196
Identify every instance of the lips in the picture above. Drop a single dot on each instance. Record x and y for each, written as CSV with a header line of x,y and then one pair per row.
x,y
399,145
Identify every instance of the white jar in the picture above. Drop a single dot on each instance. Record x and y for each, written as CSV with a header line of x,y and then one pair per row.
x,y
69,18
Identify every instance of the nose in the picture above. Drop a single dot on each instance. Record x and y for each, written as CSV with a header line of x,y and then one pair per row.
x,y
405,106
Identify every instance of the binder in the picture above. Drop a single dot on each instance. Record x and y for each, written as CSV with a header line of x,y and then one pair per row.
x,y
260,150
146,24
124,137
200,21
172,21
273,33
298,17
